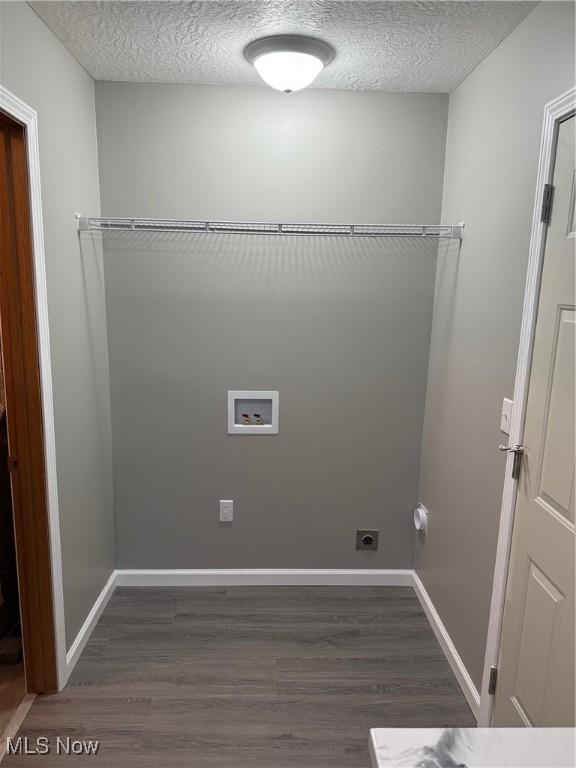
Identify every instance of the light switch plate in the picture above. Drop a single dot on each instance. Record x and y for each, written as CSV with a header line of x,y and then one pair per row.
x,y
506,416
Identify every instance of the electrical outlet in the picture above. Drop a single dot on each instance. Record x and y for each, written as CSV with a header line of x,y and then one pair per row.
x,y
366,539
226,511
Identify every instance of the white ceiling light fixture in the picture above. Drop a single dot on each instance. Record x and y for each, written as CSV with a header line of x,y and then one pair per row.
x,y
289,62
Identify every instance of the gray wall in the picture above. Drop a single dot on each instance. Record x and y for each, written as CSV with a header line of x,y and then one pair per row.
x,y
340,328
492,152
178,151
35,66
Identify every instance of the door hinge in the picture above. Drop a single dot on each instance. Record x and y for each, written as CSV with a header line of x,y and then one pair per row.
x,y
12,462
493,680
547,196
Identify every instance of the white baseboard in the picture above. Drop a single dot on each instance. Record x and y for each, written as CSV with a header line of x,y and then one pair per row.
x,y
73,654
263,577
461,673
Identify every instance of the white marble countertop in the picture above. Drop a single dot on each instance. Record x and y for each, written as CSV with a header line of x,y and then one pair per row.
x,y
472,748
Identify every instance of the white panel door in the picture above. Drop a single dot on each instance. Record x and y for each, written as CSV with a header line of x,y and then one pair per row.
x,y
536,666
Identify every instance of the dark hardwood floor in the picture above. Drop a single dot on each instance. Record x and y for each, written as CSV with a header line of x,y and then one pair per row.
x,y
249,677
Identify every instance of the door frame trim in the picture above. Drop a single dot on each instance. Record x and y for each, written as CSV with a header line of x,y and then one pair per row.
x,y
26,116
555,111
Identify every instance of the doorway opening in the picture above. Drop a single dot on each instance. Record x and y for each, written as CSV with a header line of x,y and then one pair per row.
x,y
12,678
549,235
27,626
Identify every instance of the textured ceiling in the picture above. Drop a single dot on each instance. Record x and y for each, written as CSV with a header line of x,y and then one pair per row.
x,y
384,46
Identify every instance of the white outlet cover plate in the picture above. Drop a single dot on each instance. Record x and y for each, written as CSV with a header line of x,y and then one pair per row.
x,y
226,510
506,415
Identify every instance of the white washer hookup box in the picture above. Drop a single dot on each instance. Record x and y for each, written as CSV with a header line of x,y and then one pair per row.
x,y
253,412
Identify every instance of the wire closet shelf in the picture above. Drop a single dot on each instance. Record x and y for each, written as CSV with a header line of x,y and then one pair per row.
x,y
439,231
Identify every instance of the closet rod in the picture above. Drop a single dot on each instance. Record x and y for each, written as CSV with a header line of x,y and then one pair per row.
x,y
93,224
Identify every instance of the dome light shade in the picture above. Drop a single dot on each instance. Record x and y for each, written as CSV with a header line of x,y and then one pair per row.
x,y
288,70
288,62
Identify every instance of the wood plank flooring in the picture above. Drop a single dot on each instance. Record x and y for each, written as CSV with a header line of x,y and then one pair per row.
x,y
12,691
249,677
